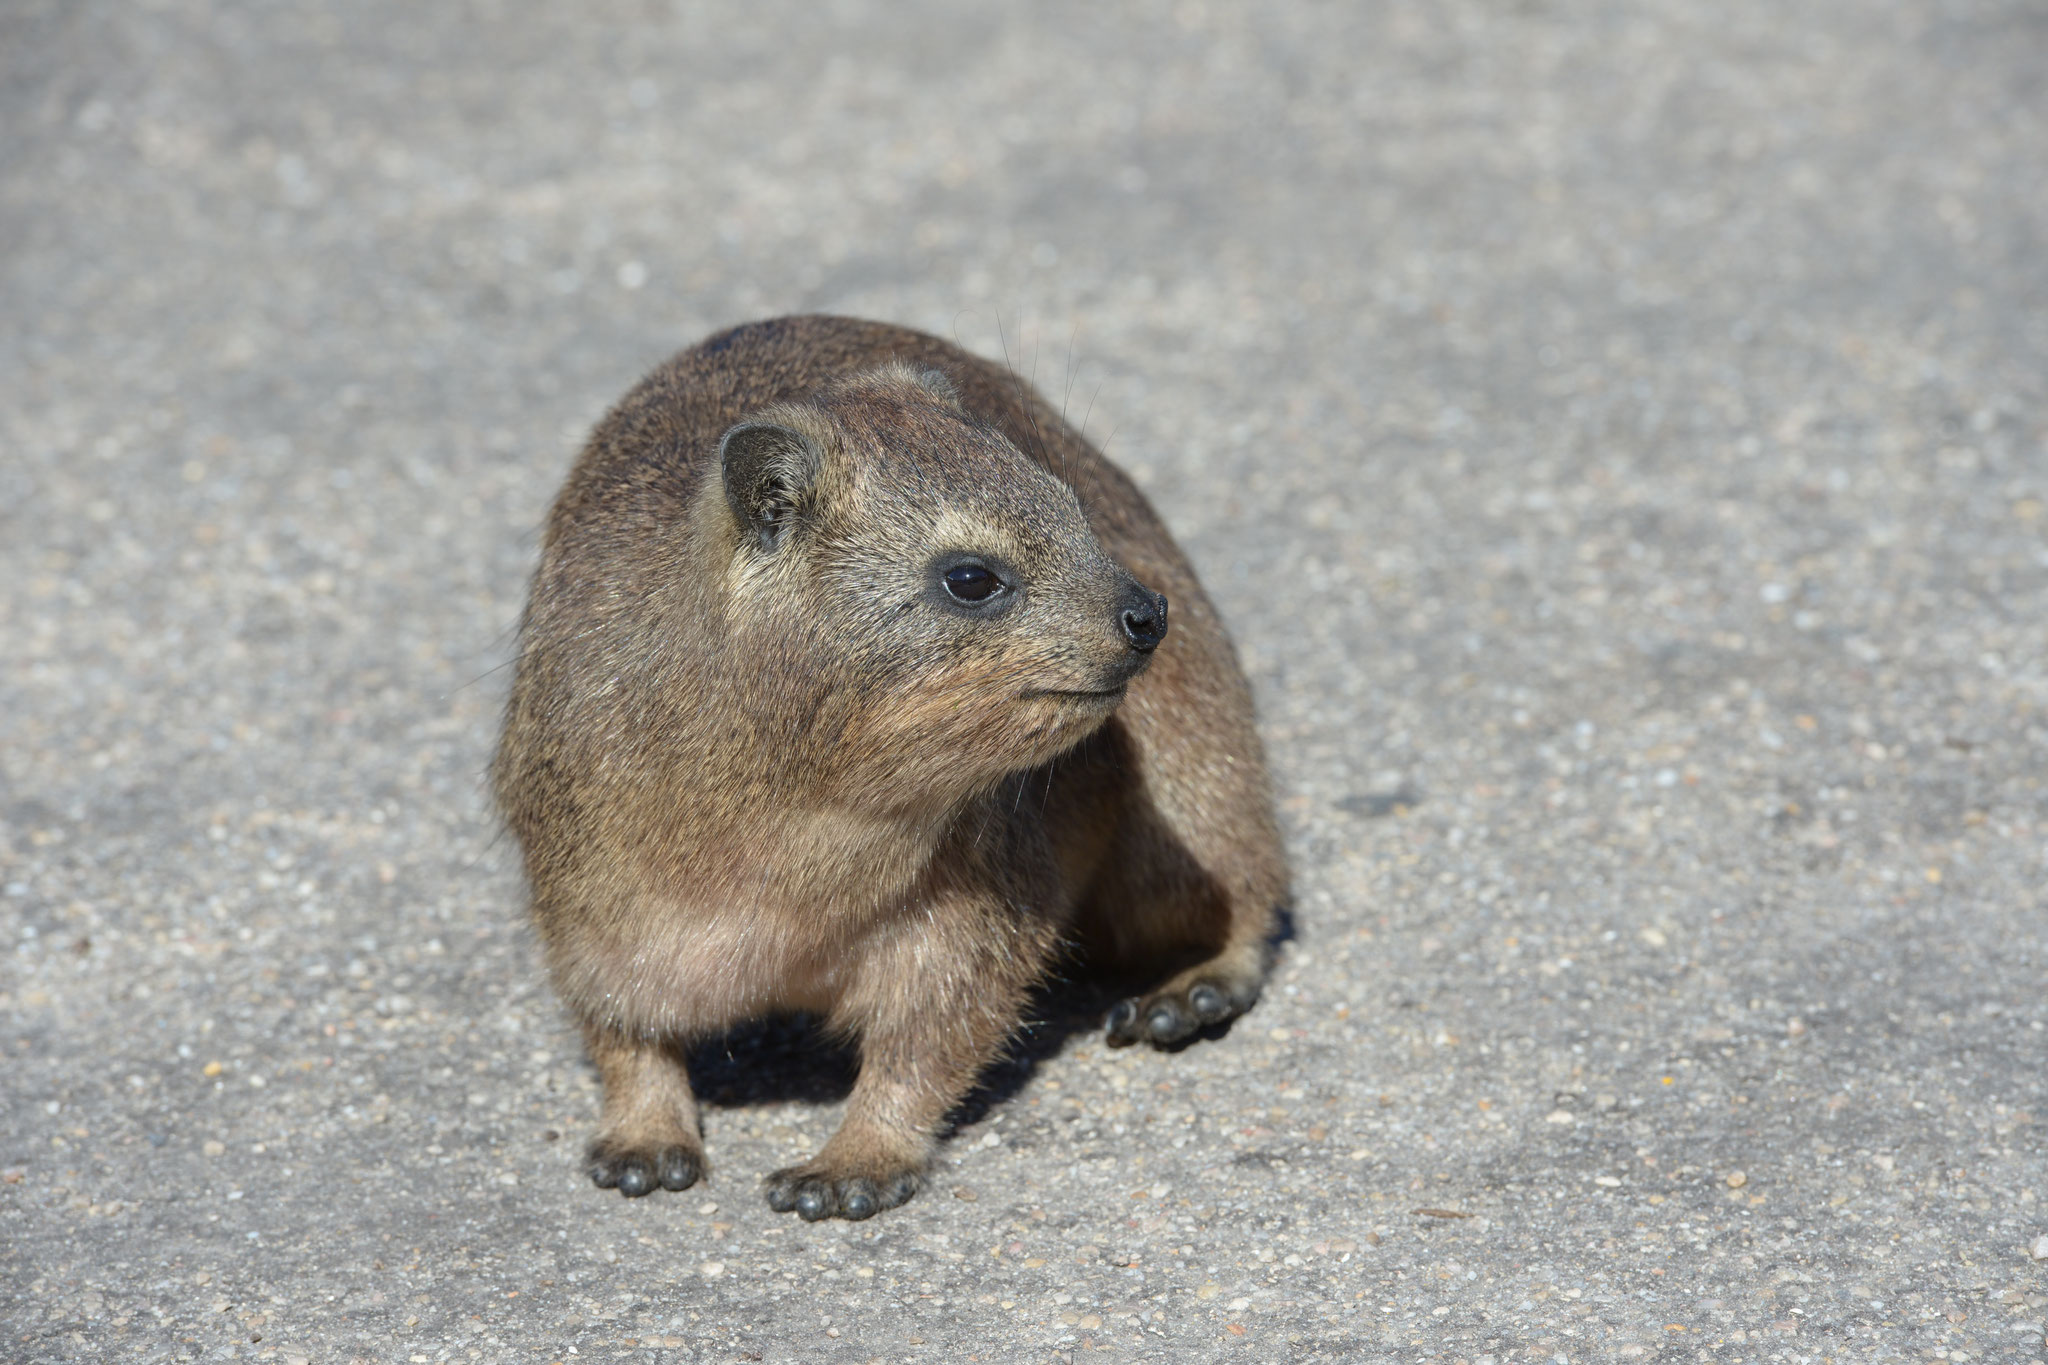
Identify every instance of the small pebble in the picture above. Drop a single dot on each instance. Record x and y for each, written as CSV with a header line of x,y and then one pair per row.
x,y
1795,1027
213,1147
707,1208
964,1192
2039,1250
711,1270
1559,1116
1737,1179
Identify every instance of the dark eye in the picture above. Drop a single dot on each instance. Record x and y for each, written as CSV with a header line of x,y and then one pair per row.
x,y
972,583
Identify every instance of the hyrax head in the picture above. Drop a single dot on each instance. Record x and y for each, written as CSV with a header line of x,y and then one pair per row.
x,y
946,592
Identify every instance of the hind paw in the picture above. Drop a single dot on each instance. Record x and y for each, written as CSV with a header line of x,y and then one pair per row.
x,y
1169,1015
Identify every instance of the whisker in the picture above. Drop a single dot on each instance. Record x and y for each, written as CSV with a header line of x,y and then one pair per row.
x,y
494,668
1030,402
1067,391
1091,406
1112,436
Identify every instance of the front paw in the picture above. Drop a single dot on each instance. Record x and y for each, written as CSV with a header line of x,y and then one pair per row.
x,y
813,1192
1167,1016
637,1170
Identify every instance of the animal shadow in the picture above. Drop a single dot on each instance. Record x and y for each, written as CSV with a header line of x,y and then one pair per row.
x,y
794,1057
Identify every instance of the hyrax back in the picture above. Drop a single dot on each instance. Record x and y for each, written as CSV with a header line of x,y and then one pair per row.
x,y
846,686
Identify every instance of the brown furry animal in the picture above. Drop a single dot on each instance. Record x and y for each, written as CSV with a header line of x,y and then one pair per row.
x,y
844,687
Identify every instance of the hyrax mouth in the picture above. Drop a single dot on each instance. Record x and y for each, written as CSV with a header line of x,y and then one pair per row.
x,y
1076,694
1141,624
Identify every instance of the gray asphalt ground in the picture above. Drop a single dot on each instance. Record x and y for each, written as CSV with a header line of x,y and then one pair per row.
x,y
1616,433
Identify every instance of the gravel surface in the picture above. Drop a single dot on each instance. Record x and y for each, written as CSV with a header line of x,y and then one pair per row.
x,y
1616,433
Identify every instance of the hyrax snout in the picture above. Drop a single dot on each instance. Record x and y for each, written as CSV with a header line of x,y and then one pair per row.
x,y
821,602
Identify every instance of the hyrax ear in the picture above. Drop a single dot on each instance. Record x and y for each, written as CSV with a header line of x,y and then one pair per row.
x,y
769,472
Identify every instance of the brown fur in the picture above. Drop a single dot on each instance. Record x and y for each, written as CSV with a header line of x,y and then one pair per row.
x,y
760,760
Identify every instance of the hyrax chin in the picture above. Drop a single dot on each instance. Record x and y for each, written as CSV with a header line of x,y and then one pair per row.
x,y
846,686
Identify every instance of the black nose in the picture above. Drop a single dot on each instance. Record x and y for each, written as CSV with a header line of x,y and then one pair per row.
x,y
1144,619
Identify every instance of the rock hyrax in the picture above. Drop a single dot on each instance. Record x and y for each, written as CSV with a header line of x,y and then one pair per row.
x,y
846,686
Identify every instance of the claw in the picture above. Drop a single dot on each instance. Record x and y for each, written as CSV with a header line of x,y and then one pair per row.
x,y
1121,1025
899,1188
680,1168
857,1200
814,1202
1167,1022
1209,1004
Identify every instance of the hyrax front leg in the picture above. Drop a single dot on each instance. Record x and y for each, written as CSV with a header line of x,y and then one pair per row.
x,y
932,1008
649,1135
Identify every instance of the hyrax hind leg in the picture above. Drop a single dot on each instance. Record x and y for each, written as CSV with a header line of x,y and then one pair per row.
x,y
649,1134
1186,893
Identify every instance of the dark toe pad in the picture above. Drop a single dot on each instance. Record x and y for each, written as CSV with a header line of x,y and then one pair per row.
x,y
635,1171
813,1194
1167,1017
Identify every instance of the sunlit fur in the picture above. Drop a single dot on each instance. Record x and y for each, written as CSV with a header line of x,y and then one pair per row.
x,y
760,771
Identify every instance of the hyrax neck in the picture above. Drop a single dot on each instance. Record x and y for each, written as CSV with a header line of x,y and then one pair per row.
x,y
849,861
747,916
830,861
